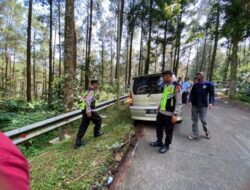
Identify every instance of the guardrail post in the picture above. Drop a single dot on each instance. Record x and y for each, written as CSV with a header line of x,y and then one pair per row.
x,y
61,133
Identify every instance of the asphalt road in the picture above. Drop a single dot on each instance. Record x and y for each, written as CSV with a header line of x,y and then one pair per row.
x,y
222,163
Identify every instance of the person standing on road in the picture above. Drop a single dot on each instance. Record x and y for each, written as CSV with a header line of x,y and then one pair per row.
x,y
167,112
87,106
201,97
185,90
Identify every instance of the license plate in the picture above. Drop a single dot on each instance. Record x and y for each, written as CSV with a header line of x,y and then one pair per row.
x,y
150,111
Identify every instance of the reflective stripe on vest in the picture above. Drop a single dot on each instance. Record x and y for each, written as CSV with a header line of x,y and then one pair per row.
x,y
167,94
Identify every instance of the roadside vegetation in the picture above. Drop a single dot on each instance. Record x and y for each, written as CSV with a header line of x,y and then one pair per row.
x,y
60,166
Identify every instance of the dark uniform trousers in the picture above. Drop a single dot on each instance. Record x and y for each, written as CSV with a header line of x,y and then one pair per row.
x,y
95,118
163,122
185,97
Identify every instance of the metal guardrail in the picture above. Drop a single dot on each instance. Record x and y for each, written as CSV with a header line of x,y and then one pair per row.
x,y
33,130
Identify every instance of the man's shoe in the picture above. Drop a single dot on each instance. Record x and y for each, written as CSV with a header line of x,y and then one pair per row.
x,y
78,143
156,144
208,135
164,149
98,134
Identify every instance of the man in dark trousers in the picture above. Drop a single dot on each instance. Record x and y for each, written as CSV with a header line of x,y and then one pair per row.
x,y
87,106
201,97
167,112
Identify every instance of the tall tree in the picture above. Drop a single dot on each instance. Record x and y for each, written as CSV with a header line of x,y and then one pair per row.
x,y
119,41
216,38
87,70
34,65
59,37
28,71
131,26
237,27
150,23
69,59
50,52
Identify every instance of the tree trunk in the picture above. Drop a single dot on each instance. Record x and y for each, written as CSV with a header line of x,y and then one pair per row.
x,y
216,38
149,38
171,56
190,49
164,46
141,51
87,71
6,68
127,60
197,57
234,65
13,73
119,41
28,71
227,64
156,58
111,60
45,81
54,51
178,42
59,36
130,56
203,52
50,55
103,60
87,42
69,59
34,65
209,60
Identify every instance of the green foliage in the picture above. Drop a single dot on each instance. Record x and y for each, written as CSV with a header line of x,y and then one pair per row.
x,y
19,105
61,167
57,94
243,97
236,19
244,84
16,113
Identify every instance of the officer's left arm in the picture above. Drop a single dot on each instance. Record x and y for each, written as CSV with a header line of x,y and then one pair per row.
x,y
178,100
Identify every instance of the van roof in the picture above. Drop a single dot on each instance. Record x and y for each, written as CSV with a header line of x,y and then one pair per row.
x,y
155,74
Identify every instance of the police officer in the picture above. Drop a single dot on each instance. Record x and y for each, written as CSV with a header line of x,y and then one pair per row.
x,y
168,110
87,106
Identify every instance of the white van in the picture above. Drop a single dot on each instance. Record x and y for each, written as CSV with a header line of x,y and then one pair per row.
x,y
145,96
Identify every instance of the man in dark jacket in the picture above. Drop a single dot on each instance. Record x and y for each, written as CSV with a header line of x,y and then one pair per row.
x,y
201,97
87,106
168,110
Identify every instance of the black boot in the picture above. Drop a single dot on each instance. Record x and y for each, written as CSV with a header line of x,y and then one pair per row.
x,y
78,143
156,144
164,148
98,134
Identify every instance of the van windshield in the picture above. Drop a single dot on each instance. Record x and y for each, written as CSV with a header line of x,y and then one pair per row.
x,y
148,85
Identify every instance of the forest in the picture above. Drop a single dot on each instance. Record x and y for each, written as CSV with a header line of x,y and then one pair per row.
x,y
51,49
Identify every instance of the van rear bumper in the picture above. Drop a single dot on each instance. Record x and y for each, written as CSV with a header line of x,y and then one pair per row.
x,y
139,113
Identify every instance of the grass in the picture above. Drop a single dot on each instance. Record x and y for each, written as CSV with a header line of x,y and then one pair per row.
x,y
243,98
62,167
